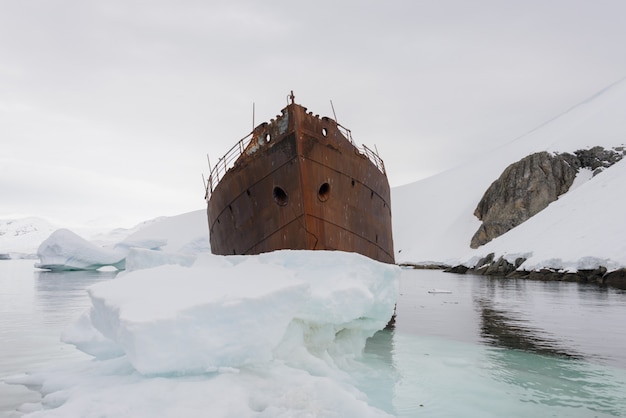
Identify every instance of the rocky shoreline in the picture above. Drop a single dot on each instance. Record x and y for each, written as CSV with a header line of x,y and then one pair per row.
x,y
490,266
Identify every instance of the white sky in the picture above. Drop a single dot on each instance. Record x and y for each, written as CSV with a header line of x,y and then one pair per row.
x,y
107,109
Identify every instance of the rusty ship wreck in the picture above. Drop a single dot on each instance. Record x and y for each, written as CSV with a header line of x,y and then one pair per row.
x,y
299,182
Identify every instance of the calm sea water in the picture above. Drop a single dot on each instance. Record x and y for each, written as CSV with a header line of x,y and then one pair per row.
x,y
489,347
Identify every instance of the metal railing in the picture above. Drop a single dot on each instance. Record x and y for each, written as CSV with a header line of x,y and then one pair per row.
x,y
225,163
373,157
228,160
364,150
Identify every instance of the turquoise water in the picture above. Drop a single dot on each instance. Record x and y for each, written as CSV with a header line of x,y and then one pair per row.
x,y
490,347
515,348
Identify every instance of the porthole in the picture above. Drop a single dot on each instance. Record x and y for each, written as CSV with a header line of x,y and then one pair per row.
x,y
324,132
268,138
280,197
324,192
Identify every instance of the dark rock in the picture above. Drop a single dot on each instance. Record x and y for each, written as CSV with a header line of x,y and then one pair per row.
x,y
616,278
500,267
572,277
530,185
424,266
485,261
598,158
592,276
524,189
543,274
518,274
460,269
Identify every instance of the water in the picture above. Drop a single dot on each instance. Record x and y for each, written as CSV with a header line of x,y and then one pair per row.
x,y
491,347
502,347
35,307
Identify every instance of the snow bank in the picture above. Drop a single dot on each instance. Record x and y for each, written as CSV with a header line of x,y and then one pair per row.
x,y
267,335
183,234
181,237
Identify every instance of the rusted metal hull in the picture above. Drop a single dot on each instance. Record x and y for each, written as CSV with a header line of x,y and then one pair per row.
x,y
300,183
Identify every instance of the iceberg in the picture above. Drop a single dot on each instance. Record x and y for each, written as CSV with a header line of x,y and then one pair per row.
x,y
65,250
181,237
235,311
248,336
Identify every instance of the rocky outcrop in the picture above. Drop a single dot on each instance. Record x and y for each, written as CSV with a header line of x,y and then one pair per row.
x,y
616,278
530,185
524,189
490,266
596,158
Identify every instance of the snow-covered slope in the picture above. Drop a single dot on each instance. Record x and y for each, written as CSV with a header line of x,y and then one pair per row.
x,y
21,237
187,233
583,229
433,218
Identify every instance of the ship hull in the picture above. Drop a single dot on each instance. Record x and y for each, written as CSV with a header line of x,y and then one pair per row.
x,y
301,184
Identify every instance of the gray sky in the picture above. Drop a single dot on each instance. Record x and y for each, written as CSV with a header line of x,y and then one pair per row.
x,y
108,108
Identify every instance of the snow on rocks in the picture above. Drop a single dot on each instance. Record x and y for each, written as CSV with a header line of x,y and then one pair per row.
x,y
582,230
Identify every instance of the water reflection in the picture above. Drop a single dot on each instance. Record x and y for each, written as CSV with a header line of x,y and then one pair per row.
x,y
379,377
62,294
559,382
35,308
501,328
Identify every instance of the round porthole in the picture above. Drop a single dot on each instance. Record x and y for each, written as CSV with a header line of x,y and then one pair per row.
x,y
324,192
268,138
324,132
280,197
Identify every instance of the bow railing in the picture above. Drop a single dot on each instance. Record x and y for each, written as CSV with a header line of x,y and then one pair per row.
x,y
228,160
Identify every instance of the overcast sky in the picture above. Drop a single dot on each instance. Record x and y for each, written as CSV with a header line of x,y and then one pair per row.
x,y
108,108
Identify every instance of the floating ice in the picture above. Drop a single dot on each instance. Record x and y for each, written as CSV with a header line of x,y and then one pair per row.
x,y
439,291
181,237
248,336
234,311
64,250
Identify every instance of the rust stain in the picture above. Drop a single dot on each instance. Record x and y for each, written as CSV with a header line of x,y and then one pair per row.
x,y
299,182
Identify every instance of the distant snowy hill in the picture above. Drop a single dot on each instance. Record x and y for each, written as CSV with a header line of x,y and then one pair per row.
x,y
186,233
434,222
21,237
